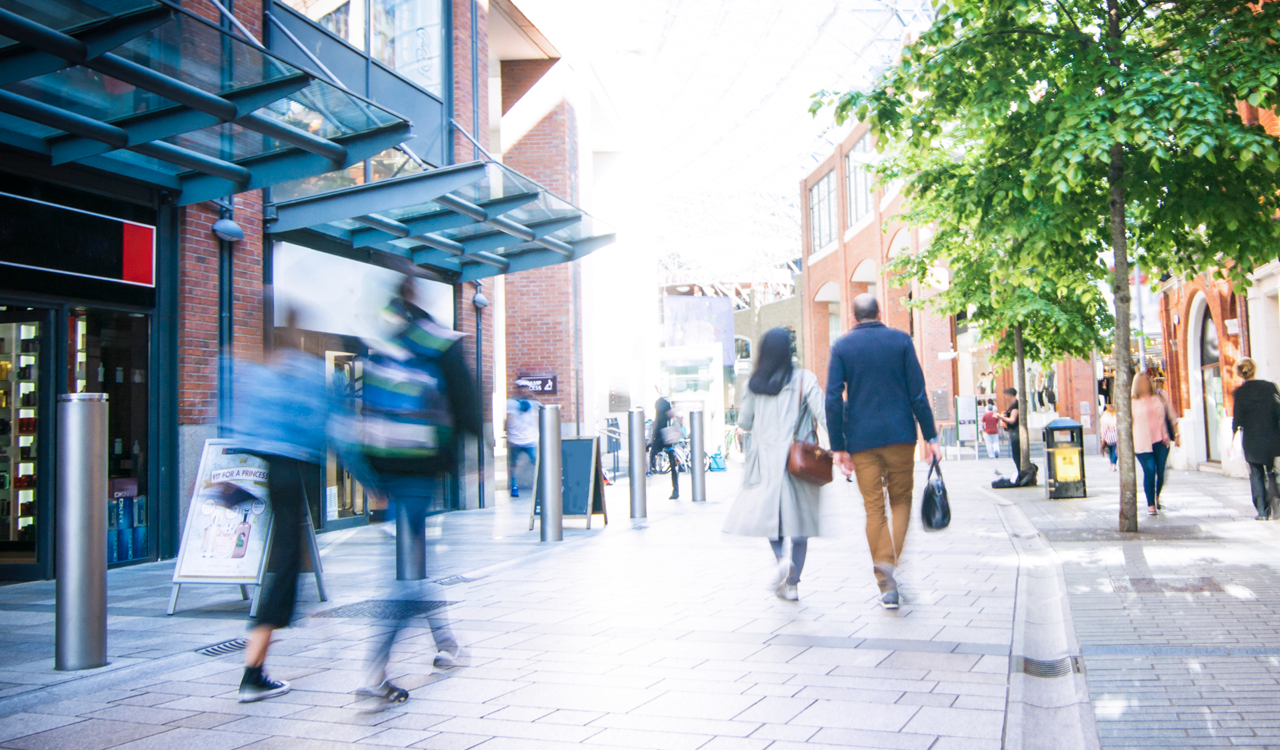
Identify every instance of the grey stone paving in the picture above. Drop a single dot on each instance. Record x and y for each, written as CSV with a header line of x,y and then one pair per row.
x,y
666,635
1179,625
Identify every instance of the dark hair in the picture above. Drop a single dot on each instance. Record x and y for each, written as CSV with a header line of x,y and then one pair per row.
x,y
773,363
865,307
1010,391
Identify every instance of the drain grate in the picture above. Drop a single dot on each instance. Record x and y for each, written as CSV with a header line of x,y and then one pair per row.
x,y
384,609
1048,668
1163,585
224,648
454,580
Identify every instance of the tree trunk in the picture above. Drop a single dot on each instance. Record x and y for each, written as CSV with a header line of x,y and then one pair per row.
x,y
1120,287
1020,377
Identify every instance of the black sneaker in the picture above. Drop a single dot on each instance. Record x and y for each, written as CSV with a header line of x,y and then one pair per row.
x,y
890,599
380,697
257,686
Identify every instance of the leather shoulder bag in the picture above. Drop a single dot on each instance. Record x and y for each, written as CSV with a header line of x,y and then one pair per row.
x,y
808,461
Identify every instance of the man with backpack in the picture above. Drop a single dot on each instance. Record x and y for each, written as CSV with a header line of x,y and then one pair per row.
x,y
522,433
418,400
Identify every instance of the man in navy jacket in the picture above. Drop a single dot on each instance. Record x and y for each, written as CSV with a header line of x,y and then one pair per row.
x,y
875,399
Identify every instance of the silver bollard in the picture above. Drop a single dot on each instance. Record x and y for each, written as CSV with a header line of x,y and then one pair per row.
x,y
549,476
637,457
411,545
697,456
81,615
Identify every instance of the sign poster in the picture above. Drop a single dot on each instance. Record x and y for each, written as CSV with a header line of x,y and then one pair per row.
x,y
967,418
228,528
581,482
1066,465
542,384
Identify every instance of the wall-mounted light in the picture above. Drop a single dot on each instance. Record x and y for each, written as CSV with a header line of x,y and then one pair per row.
x,y
228,230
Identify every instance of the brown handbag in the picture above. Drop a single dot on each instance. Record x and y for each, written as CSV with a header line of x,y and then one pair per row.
x,y
808,461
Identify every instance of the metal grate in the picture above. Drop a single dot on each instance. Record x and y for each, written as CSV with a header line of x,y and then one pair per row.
x,y
1048,668
384,609
224,648
1163,585
454,580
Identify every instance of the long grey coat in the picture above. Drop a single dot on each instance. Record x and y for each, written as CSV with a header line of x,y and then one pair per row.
x,y
773,503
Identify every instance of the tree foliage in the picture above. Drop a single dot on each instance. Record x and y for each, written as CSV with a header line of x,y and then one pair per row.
x,y
1074,132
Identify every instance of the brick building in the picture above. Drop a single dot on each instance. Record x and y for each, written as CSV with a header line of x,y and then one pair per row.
x,y
202,173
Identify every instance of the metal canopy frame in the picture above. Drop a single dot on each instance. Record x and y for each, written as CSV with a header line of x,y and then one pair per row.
x,y
436,220
168,113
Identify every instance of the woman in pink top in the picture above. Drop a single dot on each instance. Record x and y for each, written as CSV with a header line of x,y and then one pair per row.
x,y
1150,438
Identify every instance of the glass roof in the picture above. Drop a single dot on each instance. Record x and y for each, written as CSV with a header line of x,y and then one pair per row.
x,y
206,77
513,205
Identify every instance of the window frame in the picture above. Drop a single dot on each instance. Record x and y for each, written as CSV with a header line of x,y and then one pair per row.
x,y
859,183
822,212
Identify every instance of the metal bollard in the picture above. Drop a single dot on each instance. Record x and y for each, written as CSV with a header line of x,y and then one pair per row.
x,y
81,615
697,457
549,476
638,454
411,544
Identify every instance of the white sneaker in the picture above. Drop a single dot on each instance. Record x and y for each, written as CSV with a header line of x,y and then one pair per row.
x,y
446,658
789,593
784,572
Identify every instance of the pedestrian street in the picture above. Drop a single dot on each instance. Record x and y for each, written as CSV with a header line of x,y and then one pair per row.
x,y
662,633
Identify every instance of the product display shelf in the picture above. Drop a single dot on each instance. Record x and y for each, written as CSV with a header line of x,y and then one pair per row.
x,y
23,413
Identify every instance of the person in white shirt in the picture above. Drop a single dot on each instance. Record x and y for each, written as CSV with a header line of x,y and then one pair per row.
x,y
522,433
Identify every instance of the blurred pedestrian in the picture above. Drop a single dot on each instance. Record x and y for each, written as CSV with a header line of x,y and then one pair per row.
x,y
419,400
1010,421
1109,433
666,434
1150,438
780,405
875,399
281,414
1257,415
522,433
991,431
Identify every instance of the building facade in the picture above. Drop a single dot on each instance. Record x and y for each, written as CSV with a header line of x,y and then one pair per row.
x,y
180,180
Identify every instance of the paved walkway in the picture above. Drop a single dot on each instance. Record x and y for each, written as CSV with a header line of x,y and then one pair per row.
x,y
1180,624
661,634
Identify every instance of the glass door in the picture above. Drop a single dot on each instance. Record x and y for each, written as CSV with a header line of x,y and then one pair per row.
x,y
109,352
1211,377
21,368
344,497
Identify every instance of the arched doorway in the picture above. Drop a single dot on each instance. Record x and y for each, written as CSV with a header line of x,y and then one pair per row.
x,y
1211,377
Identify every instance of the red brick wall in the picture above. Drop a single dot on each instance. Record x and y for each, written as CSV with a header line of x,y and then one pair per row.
x,y
463,106
518,76
198,315
1223,304
542,327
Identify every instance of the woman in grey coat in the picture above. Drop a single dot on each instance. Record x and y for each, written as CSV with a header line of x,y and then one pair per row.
x,y
778,404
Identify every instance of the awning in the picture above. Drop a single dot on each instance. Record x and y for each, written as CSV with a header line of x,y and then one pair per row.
x,y
146,90
465,222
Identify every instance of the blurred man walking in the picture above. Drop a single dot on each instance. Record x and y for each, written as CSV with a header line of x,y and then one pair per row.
x,y
875,398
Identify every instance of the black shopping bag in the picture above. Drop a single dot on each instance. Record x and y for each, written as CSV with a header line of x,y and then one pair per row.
x,y
935,511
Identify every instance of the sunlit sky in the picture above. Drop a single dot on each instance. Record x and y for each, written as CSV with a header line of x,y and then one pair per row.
x,y
713,97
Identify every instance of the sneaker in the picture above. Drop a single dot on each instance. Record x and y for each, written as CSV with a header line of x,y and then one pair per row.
x,y
1151,510
257,686
674,496
447,658
515,492
780,581
889,599
789,593
380,697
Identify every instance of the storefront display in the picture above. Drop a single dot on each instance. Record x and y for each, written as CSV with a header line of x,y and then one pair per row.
x,y
19,431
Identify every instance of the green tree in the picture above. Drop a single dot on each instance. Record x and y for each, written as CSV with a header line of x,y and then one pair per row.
x,y
1029,315
1094,131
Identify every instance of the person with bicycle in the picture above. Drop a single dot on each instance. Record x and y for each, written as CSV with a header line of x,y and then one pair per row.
x,y
779,404
666,434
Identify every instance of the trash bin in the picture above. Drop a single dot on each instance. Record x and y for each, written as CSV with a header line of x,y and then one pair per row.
x,y
1064,453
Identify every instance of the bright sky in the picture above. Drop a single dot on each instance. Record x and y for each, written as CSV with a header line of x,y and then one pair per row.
x,y
713,97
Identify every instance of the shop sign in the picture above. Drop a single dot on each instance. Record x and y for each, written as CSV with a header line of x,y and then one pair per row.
x,y
543,384
49,237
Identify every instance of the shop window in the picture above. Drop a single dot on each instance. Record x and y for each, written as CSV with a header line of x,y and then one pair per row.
x,y
859,180
742,348
1211,372
20,424
822,212
344,19
407,36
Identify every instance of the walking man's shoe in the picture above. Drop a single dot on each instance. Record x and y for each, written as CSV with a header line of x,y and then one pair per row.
x,y
256,686
380,697
890,599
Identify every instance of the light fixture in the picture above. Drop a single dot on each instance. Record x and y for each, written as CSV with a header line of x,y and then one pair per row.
x,y
228,230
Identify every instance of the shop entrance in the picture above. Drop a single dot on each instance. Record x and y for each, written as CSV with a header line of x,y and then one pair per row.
x,y
1211,370
345,498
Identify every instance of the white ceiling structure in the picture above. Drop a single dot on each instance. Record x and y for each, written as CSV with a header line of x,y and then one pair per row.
x,y
713,97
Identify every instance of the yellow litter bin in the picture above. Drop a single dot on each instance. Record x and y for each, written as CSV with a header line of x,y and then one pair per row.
x,y
1064,451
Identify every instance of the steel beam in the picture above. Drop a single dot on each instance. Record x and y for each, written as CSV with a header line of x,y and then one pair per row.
x,y
538,258
534,230
21,64
44,114
223,170
443,221
382,223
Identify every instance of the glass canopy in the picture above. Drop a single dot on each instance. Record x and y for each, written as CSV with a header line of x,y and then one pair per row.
x,y
146,90
465,222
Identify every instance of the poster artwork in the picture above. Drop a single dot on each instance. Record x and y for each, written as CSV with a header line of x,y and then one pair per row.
x,y
967,418
229,521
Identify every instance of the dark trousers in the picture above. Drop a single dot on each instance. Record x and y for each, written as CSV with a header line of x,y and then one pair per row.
x,y
1260,476
1015,447
1152,464
671,459
513,457
286,495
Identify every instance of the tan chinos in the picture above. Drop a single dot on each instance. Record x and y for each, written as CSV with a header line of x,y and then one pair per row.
x,y
889,470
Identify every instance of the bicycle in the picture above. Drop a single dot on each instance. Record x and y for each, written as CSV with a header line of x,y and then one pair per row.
x,y
662,461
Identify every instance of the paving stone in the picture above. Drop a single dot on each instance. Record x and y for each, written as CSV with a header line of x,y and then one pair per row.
x,y
93,734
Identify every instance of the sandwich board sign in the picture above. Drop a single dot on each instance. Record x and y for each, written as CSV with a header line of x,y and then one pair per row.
x,y
582,481
227,537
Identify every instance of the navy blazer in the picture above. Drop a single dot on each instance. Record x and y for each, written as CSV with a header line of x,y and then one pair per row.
x,y
877,367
